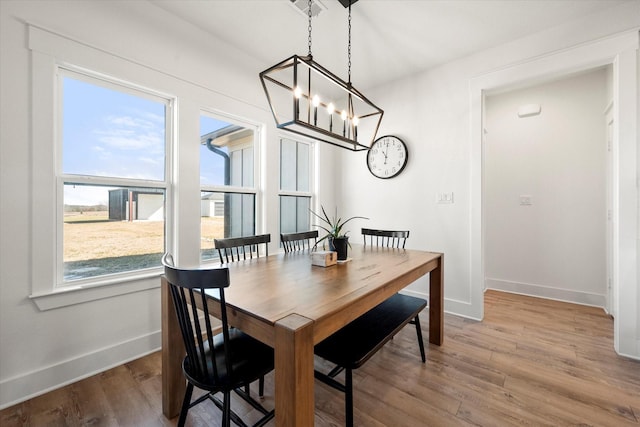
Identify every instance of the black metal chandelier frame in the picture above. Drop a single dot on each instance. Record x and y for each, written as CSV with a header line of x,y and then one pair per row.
x,y
297,76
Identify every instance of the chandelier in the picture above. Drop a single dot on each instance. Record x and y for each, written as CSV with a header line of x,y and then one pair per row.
x,y
307,99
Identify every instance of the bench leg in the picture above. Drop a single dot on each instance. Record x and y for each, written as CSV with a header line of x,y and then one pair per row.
x,y
420,342
348,397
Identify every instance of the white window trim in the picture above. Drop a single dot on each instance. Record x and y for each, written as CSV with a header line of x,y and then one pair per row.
x,y
50,51
257,178
296,193
312,165
313,156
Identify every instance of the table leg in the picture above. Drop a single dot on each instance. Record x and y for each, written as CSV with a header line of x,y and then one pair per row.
x,y
436,303
173,352
294,372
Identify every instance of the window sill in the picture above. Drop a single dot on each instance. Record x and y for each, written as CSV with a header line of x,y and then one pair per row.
x,y
97,290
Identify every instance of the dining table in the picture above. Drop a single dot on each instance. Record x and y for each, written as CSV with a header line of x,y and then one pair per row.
x,y
290,304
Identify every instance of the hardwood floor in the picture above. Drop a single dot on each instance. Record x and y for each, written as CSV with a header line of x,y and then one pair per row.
x,y
530,362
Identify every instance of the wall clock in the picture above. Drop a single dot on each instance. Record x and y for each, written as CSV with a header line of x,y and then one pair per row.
x,y
387,157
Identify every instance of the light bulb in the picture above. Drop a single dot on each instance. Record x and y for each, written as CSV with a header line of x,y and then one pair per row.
x,y
316,100
355,120
343,115
330,109
297,92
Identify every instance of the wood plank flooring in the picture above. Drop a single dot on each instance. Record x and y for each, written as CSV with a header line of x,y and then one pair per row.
x,y
530,362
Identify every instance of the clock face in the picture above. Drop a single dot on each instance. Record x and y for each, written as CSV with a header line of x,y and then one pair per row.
x,y
387,157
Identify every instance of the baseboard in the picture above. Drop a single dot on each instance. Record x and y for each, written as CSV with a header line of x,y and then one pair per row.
x,y
534,290
26,386
451,306
633,356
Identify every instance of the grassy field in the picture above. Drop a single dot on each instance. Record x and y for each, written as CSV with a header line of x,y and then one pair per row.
x,y
93,245
91,235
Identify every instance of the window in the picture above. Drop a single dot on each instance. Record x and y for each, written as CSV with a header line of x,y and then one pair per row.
x,y
228,193
112,177
295,186
105,177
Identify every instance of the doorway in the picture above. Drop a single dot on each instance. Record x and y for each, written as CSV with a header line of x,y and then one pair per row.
x,y
621,52
545,195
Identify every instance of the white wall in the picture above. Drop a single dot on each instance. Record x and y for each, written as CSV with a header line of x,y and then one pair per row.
x,y
40,350
438,113
430,111
555,246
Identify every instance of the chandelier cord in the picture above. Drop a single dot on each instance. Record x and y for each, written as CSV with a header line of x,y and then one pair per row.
x,y
309,27
349,45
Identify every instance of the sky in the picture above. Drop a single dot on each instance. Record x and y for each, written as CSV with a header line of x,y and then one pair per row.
x,y
112,133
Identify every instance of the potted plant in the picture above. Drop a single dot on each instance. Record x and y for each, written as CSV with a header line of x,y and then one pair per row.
x,y
338,241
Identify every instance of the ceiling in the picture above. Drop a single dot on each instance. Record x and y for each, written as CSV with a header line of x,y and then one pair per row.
x,y
390,38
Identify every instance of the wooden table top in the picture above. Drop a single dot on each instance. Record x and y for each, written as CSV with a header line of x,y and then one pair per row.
x,y
291,305
271,288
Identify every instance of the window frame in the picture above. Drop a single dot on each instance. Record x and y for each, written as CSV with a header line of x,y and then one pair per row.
x,y
62,178
234,189
49,52
312,193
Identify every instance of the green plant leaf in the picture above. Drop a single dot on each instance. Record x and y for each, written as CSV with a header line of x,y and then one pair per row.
x,y
334,224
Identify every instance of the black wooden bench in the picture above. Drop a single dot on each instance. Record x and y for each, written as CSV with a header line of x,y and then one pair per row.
x,y
350,347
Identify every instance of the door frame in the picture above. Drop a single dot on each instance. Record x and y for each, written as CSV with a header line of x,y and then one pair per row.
x,y
620,51
608,117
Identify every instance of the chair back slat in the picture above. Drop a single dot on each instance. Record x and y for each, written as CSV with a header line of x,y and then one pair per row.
x,y
234,249
294,242
388,238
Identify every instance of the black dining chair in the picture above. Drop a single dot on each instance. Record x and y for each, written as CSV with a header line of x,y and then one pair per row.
x,y
234,249
217,363
355,343
293,242
388,238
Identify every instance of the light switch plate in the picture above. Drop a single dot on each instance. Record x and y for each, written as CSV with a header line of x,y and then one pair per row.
x,y
444,198
526,200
